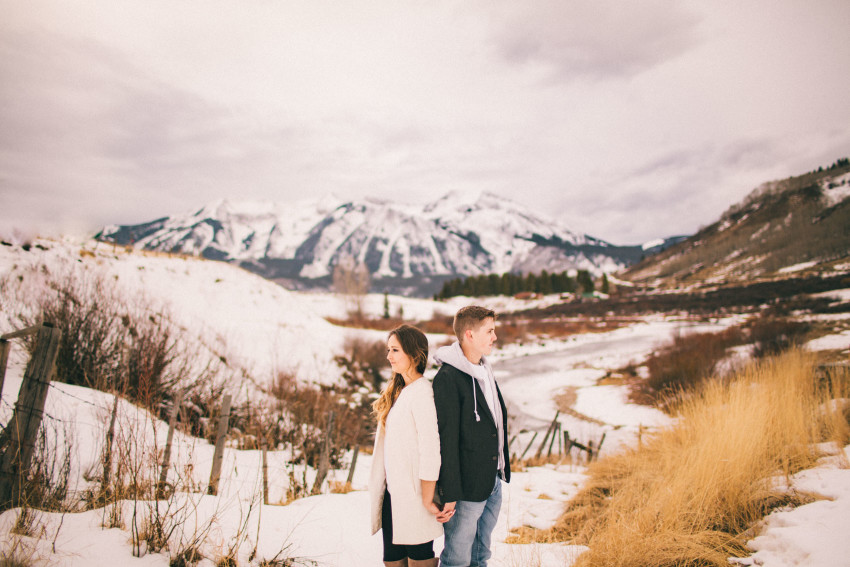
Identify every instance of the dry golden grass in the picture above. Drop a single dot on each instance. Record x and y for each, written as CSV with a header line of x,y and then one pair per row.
x,y
688,494
339,487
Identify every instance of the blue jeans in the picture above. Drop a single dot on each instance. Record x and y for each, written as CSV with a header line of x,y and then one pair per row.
x,y
467,534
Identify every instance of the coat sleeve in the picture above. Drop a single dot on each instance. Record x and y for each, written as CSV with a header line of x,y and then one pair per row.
x,y
447,404
428,438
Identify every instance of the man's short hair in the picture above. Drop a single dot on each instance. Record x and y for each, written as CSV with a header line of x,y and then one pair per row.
x,y
470,317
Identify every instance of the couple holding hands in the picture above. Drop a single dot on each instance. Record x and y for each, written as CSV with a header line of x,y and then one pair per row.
x,y
441,449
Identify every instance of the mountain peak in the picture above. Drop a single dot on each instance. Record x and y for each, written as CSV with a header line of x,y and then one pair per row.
x,y
464,198
461,233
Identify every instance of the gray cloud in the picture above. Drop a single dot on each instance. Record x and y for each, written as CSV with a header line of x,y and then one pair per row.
x,y
680,191
82,123
627,121
599,39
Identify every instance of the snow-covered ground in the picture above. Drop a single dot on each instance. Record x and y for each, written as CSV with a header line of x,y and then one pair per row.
x,y
264,325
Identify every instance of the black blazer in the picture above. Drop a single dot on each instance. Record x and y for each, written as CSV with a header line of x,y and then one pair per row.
x,y
468,449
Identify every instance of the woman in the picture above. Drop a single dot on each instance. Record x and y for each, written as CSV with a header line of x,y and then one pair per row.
x,y
406,458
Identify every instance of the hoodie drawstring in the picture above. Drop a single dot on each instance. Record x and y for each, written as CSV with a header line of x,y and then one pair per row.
x,y
475,400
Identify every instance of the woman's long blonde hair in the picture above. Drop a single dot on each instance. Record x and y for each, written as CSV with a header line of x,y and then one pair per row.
x,y
415,345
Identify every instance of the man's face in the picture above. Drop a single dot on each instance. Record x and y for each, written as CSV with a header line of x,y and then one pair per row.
x,y
481,340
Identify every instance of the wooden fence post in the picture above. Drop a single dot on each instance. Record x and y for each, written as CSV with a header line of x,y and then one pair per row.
x,y
107,455
324,461
548,432
265,474
353,464
543,443
21,432
599,447
567,443
533,437
5,347
166,457
218,456
555,433
560,439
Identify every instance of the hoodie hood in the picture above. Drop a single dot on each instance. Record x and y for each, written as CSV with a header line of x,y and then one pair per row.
x,y
453,355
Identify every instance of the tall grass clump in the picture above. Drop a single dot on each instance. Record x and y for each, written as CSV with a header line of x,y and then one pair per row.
x,y
688,495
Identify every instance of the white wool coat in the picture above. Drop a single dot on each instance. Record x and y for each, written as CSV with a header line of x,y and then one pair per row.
x,y
406,452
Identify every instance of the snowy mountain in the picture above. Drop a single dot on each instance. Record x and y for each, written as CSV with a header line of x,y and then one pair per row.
x,y
407,247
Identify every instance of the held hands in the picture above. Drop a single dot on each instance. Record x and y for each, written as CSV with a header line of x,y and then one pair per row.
x,y
443,515
447,513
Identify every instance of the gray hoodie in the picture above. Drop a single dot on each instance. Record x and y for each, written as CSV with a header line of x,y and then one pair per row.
x,y
453,356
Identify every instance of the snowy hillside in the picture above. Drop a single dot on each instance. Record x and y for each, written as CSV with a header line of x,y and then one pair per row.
x,y
254,325
458,234
793,227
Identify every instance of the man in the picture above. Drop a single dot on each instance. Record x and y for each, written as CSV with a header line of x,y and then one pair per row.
x,y
473,425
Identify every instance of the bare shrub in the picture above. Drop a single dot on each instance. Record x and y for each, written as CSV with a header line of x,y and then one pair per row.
x,y
110,341
682,364
773,335
362,362
18,551
297,413
297,487
46,485
352,280
303,419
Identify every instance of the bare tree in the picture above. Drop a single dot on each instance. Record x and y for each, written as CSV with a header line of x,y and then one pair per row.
x,y
352,279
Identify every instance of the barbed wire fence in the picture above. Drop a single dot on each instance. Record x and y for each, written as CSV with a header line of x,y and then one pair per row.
x,y
18,438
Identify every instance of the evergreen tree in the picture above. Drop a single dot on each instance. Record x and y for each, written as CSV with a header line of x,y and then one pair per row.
x,y
505,284
585,282
531,283
545,283
468,288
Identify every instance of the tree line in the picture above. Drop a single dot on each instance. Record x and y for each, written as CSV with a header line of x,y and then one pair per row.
x,y
512,284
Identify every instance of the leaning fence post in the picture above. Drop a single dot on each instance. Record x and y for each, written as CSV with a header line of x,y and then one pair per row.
x,y
560,451
533,437
555,433
21,432
166,457
5,347
324,461
548,431
218,457
599,447
353,464
543,443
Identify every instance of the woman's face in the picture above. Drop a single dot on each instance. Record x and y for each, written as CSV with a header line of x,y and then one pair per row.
x,y
399,361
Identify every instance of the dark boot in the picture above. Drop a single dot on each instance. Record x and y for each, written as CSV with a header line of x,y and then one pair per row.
x,y
399,563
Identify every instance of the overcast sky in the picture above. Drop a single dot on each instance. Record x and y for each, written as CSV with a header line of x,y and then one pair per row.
x,y
626,120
